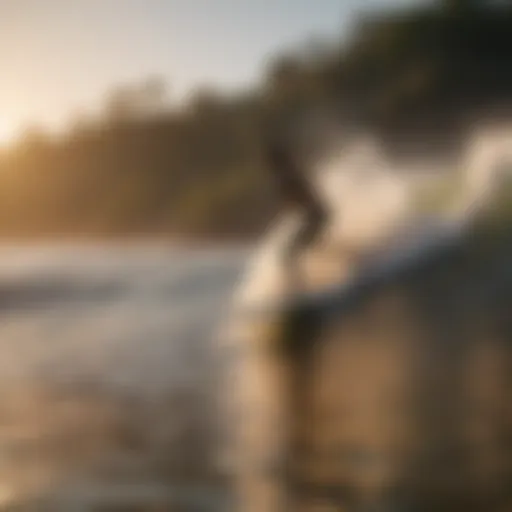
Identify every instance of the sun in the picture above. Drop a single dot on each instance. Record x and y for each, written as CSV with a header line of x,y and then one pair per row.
x,y
7,133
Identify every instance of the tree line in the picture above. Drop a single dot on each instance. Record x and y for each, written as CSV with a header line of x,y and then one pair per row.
x,y
146,168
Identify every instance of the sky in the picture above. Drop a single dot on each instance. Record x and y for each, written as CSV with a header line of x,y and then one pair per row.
x,y
58,58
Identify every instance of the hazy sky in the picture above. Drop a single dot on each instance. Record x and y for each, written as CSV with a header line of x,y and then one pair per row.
x,y
58,57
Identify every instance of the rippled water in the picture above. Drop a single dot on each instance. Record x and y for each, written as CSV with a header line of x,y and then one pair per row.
x,y
131,316
96,341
